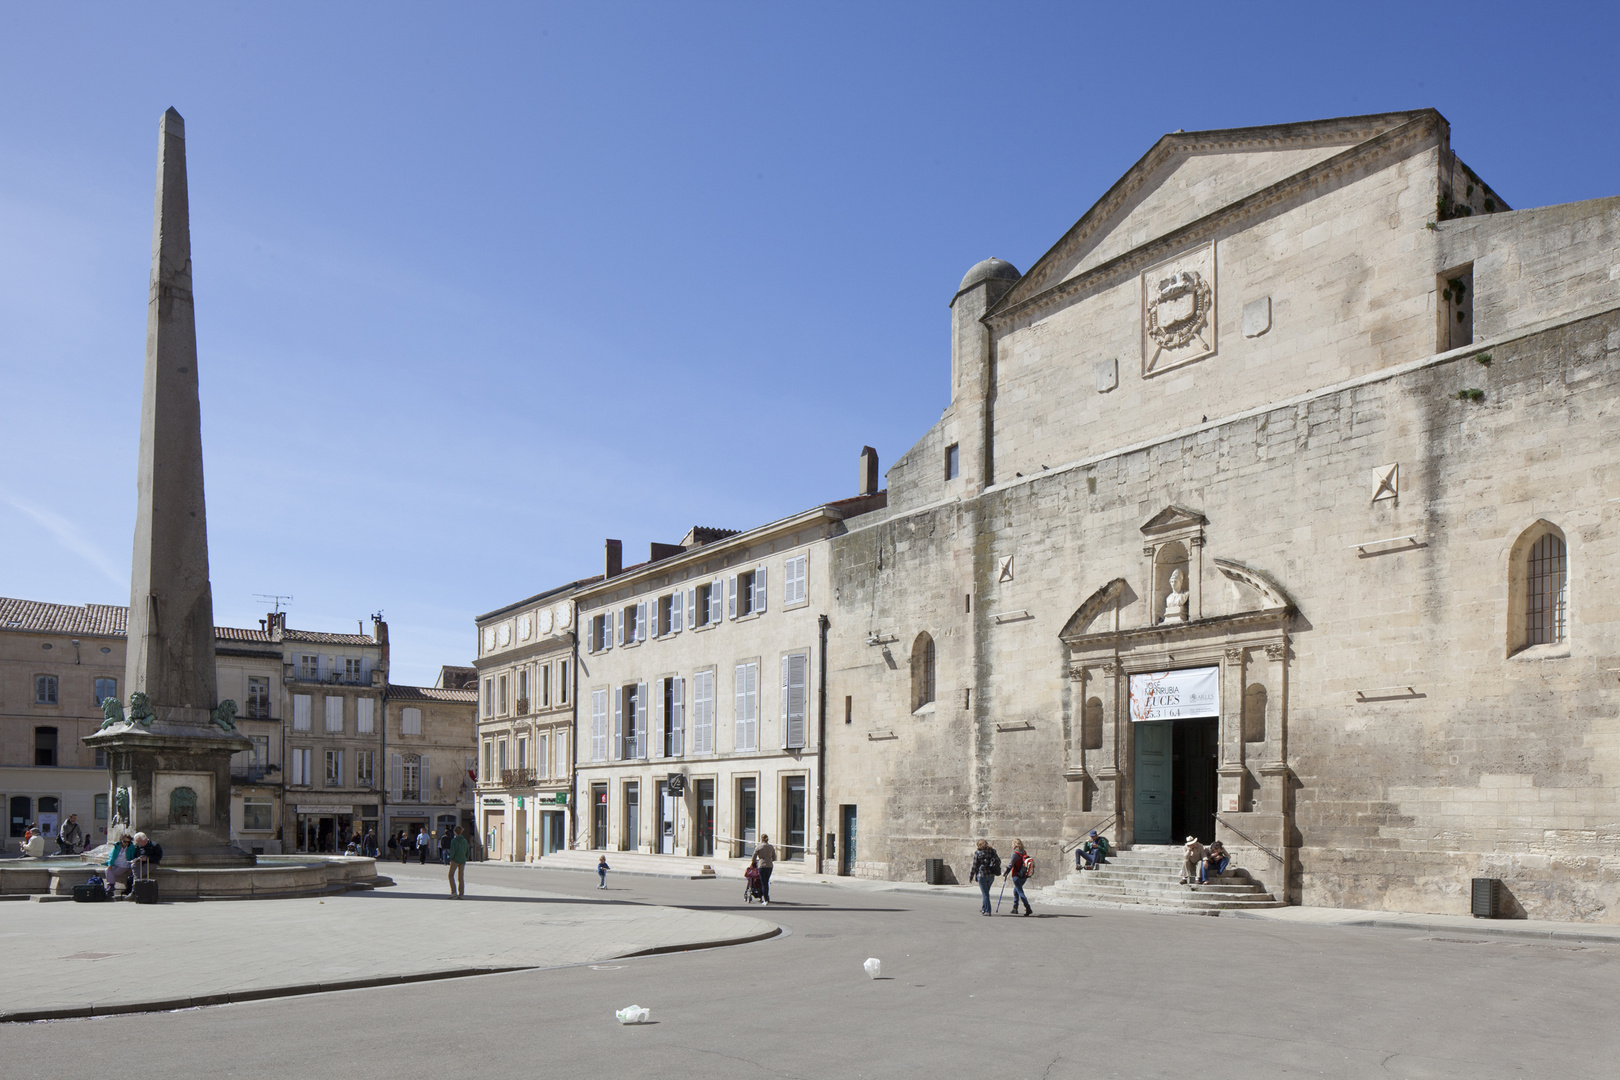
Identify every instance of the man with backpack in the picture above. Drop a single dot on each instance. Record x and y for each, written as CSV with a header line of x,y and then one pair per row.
x,y
986,868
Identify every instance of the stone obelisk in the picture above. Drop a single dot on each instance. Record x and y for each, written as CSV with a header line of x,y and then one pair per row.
x,y
169,754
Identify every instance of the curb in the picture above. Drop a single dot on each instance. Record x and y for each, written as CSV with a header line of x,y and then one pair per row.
x,y
78,1012
23,1016
1484,927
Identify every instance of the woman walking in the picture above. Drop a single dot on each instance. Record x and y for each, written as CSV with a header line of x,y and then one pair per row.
x,y
1019,870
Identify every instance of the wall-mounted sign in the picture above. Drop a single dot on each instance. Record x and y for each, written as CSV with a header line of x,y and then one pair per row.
x,y
1176,695
325,809
561,798
494,802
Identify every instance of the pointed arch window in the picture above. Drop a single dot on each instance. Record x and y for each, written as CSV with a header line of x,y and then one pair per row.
x,y
924,669
1546,609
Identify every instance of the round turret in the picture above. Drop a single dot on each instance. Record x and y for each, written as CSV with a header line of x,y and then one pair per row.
x,y
988,270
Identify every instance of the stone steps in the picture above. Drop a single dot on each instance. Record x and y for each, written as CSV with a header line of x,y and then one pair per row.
x,y
1147,878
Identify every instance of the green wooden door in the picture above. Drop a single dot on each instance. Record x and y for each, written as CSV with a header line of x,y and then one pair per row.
x,y
1152,781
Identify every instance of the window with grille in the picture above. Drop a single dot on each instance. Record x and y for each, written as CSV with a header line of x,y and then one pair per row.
x,y
309,667
365,768
353,670
106,688
258,697
411,778
1546,607
334,768
44,689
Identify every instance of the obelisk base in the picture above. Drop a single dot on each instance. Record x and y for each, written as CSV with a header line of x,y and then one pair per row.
x,y
174,785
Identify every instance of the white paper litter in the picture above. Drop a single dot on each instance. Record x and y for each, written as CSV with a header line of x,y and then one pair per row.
x,y
634,1014
873,967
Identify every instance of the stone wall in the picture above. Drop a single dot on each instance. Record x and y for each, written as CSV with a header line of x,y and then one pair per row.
x,y
1492,763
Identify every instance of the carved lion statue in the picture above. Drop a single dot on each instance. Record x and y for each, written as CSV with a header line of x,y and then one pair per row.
x,y
140,709
224,715
112,712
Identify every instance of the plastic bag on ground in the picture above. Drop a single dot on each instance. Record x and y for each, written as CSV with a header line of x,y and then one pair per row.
x,y
634,1014
873,967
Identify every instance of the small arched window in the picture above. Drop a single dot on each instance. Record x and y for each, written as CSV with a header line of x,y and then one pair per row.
x,y
1538,592
1546,607
924,668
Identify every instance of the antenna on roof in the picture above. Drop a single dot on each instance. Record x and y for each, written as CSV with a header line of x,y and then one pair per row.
x,y
272,598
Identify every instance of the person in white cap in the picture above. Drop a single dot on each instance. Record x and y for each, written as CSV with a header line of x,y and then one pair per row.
x,y
1194,852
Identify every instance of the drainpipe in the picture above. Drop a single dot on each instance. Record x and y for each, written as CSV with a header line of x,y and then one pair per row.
x,y
821,751
573,740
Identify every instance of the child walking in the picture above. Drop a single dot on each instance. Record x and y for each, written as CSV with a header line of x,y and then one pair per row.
x,y
601,871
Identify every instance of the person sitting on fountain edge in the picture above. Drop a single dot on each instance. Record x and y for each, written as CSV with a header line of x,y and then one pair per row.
x,y
121,863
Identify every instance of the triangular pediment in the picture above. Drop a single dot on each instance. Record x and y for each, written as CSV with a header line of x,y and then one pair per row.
x,y
1173,519
1187,176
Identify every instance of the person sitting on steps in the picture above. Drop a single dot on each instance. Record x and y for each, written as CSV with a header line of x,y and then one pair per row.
x,y
1193,855
1094,851
1214,864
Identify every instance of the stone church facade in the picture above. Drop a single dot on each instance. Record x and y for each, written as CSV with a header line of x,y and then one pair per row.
x,y
1276,502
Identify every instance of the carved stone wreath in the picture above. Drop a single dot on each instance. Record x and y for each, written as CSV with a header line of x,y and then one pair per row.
x,y
1179,309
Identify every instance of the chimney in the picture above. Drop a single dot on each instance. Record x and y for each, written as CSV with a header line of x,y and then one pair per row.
x,y
615,558
869,471
278,624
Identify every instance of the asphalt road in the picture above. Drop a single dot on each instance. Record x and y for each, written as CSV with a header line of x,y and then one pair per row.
x,y
1070,993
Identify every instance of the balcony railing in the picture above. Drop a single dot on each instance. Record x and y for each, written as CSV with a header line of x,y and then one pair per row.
x,y
514,778
253,773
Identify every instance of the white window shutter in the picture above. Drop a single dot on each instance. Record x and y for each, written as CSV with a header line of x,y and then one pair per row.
x,y
676,603
731,597
691,606
796,700
641,720
395,767
607,630
760,579
615,752
641,621
422,794
785,684
659,721
677,687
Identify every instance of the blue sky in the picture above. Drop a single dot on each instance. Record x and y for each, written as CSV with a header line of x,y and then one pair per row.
x,y
479,285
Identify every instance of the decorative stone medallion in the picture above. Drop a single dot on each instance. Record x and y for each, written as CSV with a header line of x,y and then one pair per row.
x,y
489,638
545,620
1178,311
504,635
565,617
523,627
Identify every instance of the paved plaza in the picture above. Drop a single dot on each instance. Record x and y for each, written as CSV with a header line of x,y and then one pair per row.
x,y
1073,992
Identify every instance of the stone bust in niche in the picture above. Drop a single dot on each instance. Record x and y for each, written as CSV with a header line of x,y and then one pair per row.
x,y
1175,601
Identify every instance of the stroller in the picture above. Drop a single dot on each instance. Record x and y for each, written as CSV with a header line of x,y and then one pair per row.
x,y
751,889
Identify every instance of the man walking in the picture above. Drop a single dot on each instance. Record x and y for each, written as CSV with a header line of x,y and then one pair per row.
x,y
765,855
986,868
423,842
67,840
459,850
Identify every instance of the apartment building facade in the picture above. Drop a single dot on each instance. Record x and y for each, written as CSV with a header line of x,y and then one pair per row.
x,y
332,732
526,672
57,663
429,735
699,672
248,666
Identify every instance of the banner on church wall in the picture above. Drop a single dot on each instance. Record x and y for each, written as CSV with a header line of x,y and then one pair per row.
x,y
1187,694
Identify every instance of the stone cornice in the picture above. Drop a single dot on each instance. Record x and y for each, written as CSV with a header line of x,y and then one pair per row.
x,y
1169,634
1207,227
